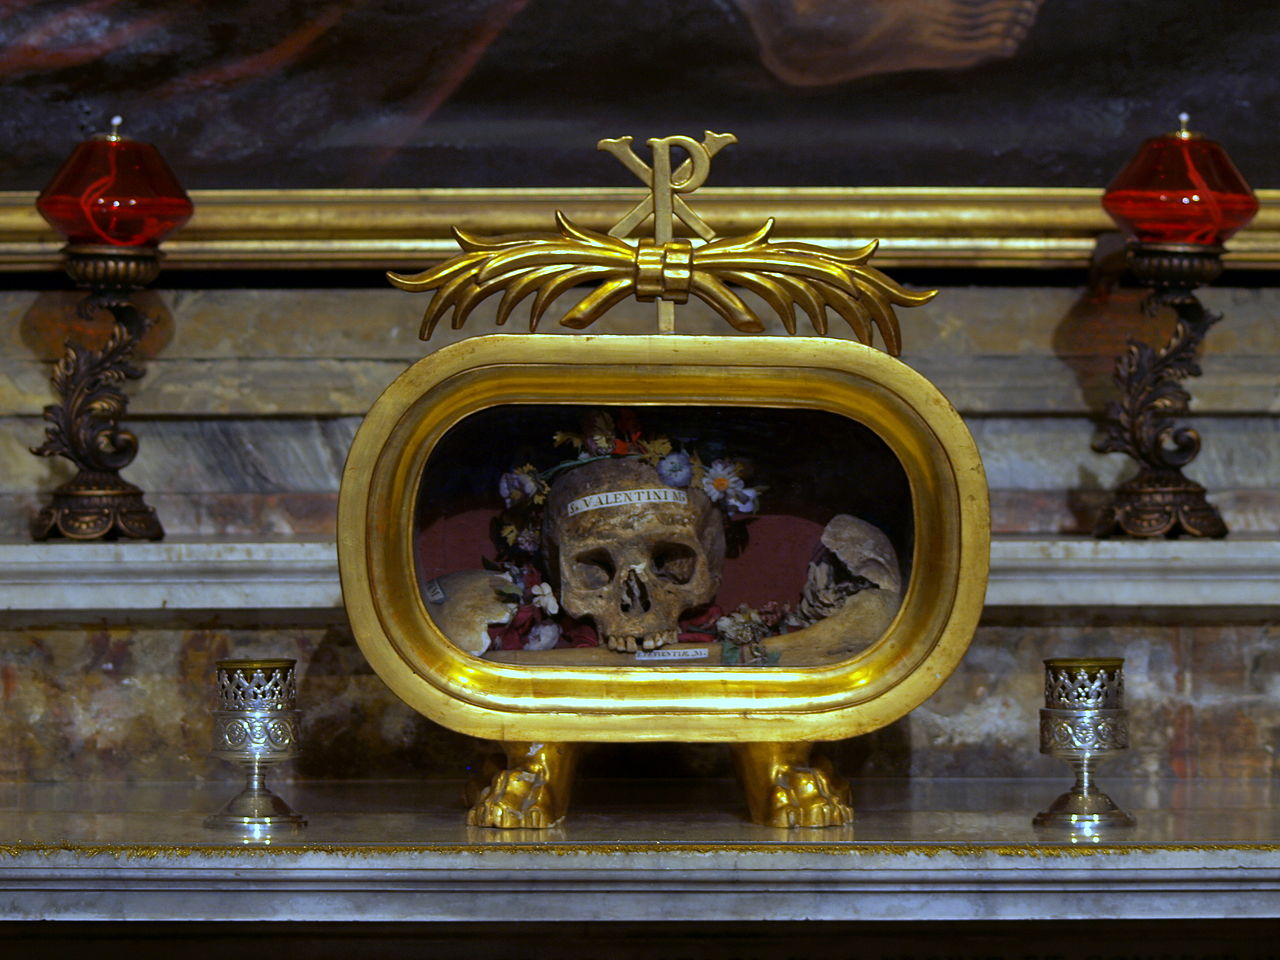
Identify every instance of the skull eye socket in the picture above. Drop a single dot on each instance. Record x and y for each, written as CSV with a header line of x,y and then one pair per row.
x,y
675,562
594,568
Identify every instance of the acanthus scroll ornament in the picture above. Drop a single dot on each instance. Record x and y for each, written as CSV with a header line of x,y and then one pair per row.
x,y
85,428
1159,501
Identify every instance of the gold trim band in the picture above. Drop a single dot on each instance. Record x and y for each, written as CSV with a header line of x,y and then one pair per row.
x,y
1044,850
967,227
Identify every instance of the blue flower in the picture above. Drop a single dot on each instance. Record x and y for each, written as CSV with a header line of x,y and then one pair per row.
x,y
675,470
743,500
516,487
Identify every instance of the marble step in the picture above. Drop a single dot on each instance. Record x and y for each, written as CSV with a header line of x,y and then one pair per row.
x,y
242,574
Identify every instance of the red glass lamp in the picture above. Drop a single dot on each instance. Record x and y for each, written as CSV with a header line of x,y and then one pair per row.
x,y
1178,199
114,199
1180,188
114,191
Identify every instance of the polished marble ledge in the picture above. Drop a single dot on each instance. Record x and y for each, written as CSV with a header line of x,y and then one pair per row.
x,y
638,851
175,574
1239,571
1026,571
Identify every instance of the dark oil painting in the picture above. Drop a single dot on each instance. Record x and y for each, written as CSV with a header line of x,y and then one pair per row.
x,y
288,94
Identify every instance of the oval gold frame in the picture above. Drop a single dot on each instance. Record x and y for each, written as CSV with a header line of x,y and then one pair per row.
x,y
919,650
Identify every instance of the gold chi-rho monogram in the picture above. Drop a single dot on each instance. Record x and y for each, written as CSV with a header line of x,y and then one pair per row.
x,y
665,268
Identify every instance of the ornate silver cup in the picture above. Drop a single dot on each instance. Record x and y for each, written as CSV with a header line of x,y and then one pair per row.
x,y
256,725
1084,721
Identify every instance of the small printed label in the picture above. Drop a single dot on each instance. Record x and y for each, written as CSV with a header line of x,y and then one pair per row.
x,y
673,653
618,498
435,593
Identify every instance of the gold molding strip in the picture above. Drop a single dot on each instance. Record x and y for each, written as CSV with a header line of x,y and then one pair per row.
x,y
1053,849
971,227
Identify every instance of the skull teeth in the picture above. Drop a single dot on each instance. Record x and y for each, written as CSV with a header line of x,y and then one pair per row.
x,y
629,644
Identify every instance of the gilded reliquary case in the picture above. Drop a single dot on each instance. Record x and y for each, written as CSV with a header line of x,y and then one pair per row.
x,y
846,575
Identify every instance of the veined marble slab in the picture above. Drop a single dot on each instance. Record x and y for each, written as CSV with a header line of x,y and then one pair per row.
x,y
172,574
640,851
303,574
1021,350
1081,571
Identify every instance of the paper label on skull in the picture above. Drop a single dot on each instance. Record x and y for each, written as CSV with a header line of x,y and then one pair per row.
x,y
435,593
674,653
619,498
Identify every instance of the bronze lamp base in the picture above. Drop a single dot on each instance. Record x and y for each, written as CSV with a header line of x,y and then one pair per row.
x,y
97,506
1160,503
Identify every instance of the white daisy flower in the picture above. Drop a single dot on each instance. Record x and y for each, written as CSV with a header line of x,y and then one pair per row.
x,y
720,479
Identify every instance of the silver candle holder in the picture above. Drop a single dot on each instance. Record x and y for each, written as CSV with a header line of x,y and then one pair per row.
x,y
1083,722
256,725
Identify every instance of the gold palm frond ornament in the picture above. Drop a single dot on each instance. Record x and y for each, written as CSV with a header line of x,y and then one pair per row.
x,y
665,269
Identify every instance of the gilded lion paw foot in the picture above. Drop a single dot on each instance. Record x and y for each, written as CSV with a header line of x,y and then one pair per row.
x,y
515,798
807,798
786,788
530,790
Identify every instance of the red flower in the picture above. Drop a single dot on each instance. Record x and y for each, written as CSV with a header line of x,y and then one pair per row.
x,y
629,424
579,633
772,613
511,636
700,625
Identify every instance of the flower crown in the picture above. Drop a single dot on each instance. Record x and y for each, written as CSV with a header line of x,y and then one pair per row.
x,y
524,490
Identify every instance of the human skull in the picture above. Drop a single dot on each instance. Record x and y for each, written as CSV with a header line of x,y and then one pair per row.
x,y
630,552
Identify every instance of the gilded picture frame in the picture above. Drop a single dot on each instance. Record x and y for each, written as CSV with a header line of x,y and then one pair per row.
x,y
378,229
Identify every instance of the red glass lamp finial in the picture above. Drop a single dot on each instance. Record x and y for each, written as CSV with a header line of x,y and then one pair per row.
x,y
114,191
1180,188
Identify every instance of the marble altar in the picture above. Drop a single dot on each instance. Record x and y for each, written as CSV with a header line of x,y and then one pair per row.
x,y
920,850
